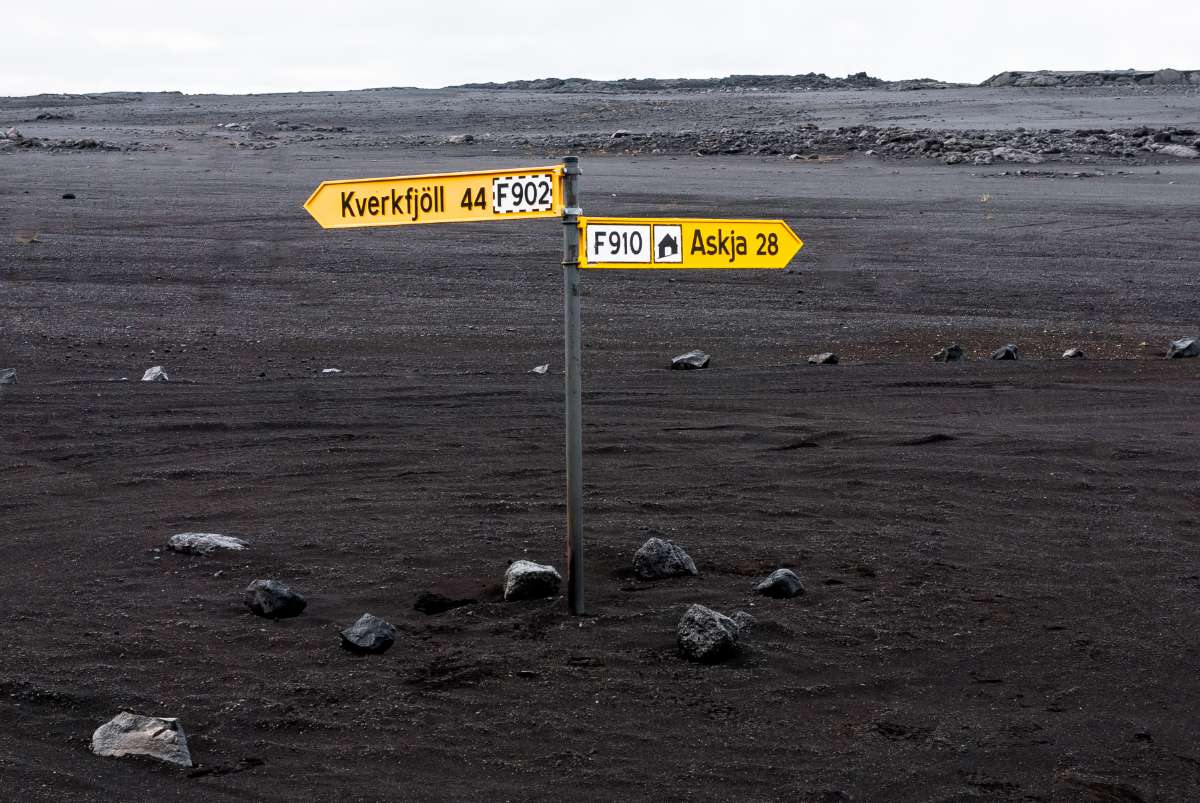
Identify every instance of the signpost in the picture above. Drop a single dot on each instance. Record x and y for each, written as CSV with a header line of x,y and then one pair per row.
x,y
614,243
534,192
685,243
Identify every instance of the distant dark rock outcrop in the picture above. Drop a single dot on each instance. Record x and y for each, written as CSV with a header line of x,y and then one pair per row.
x,y
778,83
1042,78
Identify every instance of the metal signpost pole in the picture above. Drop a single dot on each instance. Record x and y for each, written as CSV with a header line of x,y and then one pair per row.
x,y
574,403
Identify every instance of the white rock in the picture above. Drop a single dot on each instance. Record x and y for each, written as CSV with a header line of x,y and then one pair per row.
x,y
155,374
528,580
1184,347
129,734
204,543
691,360
331,370
658,559
541,370
1181,151
1007,154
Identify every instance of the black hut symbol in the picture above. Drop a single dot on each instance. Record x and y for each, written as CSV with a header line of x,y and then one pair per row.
x,y
668,246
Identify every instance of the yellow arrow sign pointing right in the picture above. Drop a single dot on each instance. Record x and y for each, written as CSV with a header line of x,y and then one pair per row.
x,y
685,243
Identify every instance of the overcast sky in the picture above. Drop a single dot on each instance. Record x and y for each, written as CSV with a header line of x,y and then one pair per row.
x,y
268,46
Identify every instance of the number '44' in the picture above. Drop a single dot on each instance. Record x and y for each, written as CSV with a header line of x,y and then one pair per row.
x,y
473,199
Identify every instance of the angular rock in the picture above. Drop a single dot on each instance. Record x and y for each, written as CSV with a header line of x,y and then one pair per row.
x,y
824,358
690,361
460,139
951,353
273,600
155,374
369,635
780,584
1180,151
620,134
331,370
430,603
129,734
1073,354
1008,352
1184,347
204,543
528,580
8,376
707,636
658,559
540,370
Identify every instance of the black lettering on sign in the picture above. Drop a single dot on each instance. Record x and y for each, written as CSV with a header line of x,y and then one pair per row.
x,y
474,198
768,244
347,203
514,194
722,244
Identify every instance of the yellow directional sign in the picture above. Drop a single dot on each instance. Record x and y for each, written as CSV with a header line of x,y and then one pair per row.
x,y
439,198
668,243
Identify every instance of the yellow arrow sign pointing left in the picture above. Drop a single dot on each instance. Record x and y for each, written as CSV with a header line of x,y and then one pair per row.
x,y
439,198
683,243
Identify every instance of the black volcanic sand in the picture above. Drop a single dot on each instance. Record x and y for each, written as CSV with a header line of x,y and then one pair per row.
x,y
1002,559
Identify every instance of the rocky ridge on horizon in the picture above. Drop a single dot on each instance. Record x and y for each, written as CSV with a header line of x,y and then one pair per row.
x,y
778,83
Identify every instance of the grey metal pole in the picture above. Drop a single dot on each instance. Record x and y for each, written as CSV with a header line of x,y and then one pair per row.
x,y
574,402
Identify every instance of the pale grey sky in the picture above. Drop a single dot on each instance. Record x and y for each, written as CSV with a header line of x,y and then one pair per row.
x,y
268,46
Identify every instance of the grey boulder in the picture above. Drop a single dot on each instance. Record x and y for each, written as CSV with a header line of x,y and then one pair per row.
x,y
1008,352
658,559
952,353
780,584
824,358
273,600
129,734
155,374
1184,347
204,543
369,634
1073,354
8,376
528,580
1180,151
708,636
690,361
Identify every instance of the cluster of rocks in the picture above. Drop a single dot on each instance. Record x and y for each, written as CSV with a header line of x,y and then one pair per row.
x,y
1117,78
12,139
696,360
1183,347
704,634
953,146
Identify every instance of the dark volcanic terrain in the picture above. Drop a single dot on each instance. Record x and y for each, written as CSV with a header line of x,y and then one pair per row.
x,y
1002,559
